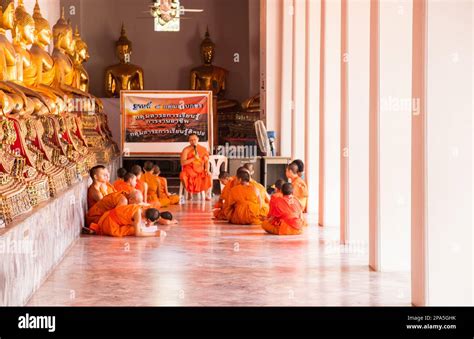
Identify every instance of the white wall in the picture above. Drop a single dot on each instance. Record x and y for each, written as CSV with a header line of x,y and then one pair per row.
x,y
449,153
395,134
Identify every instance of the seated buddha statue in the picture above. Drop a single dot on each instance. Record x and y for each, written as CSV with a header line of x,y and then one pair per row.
x,y
124,75
252,104
80,55
211,78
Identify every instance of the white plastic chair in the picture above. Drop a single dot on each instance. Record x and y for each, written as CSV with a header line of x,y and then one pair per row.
x,y
215,164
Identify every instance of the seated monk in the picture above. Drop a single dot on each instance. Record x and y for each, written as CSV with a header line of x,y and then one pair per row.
x,y
277,193
286,214
120,175
260,187
195,175
141,185
111,201
127,220
245,202
164,196
226,180
128,184
300,189
107,188
151,181
94,194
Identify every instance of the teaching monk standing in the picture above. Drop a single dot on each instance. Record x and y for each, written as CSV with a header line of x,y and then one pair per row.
x,y
195,174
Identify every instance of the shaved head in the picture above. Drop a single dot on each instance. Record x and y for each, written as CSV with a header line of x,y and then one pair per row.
x,y
135,197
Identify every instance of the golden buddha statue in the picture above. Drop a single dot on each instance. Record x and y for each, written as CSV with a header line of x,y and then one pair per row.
x,y
211,78
124,75
81,55
252,104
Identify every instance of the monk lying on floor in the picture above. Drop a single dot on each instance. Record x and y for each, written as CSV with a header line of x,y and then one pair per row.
x,y
245,206
286,214
128,220
111,201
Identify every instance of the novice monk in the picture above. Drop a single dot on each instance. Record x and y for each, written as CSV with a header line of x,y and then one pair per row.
x,y
245,203
226,180
195,174
127,220
141,185
300,189
277,193
286,215
128,184
94,194
152,182
300,165
120,175
164,196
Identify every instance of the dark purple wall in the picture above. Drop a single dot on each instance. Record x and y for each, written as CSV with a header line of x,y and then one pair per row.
x,y
167,58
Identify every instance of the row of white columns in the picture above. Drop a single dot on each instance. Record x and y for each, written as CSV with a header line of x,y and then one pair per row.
x,y
338,82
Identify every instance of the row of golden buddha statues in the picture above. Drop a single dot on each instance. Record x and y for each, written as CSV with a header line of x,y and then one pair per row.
x,y
51,129
207,77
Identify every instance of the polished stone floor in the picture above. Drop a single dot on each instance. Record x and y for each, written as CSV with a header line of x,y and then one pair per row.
x,y
207,263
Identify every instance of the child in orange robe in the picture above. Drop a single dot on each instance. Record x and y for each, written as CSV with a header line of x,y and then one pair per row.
x,y
227,181
120,175
286,214
94,194
128,184
300,189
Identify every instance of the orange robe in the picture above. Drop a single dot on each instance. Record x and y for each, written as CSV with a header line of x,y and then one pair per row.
x,y
165,199
300,192
219,213
91,201
244,206
141,187
117,222
110,189
118,183
123,187
273,199
108,203
263,194
193,175
285,218
153,185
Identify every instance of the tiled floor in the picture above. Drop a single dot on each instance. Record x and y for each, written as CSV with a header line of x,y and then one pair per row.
x,y
207,263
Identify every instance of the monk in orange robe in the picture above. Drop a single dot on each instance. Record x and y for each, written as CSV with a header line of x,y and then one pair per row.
x,y
94,194
286,215
164,196
245,203
127,220
141,185
263,192
277,193
120,175
195,174
227,181
151,181
128,184
300,189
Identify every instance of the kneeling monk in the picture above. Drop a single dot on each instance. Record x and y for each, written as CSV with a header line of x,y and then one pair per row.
x,y
164,195
245,206
195,174
127,220
286,214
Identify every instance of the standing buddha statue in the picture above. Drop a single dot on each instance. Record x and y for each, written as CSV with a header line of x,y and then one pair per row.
x,y
124,75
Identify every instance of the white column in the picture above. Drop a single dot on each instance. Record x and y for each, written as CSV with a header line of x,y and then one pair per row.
x,y
313,23
286,104
332,112
358,112
449,111
395,134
